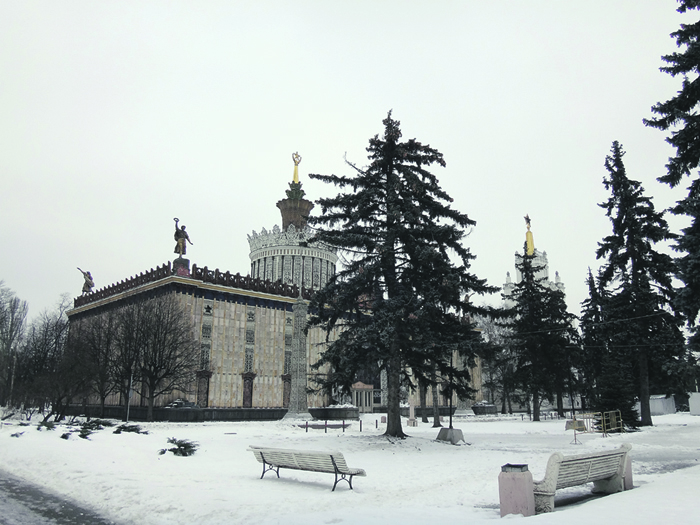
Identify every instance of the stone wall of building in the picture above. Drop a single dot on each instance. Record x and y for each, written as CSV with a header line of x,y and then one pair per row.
x,y
251,337
245,337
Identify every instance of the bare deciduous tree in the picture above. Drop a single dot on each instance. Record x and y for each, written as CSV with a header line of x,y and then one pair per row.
x,y
157,344
13,315
96,338
49,374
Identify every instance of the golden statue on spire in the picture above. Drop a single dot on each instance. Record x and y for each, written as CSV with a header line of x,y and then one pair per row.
x,y
297,159
529,240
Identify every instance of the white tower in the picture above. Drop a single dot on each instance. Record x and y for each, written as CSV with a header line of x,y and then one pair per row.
x,y
285,254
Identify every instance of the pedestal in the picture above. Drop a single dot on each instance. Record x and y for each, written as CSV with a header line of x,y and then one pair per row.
x,y
181,267
694,403
453,435
412,416
516,490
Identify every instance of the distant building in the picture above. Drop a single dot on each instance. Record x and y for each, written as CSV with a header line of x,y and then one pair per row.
x,y
540,261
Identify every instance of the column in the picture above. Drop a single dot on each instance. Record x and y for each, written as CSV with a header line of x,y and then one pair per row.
x,y
298,370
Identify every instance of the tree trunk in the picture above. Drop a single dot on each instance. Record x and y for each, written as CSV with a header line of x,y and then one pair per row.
x,y
151,402
560,404
423,408
125,399
536,406
510,403
645,407
436,402
393,416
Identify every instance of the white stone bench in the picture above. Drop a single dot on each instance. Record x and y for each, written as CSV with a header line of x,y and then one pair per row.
x,y
609,471
328,462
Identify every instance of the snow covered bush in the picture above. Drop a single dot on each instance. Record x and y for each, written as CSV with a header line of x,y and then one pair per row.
x,y
183,447
48,425
129,428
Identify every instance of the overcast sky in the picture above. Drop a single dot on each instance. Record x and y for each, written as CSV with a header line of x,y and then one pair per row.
x,y
116,117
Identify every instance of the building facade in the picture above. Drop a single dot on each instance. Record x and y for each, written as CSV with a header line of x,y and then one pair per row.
x,y
255,350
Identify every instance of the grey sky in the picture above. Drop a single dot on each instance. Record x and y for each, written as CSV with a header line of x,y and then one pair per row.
x,y
118,116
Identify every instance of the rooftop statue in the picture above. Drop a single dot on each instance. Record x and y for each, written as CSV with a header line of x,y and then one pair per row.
x,y
529,240
181,238
89,284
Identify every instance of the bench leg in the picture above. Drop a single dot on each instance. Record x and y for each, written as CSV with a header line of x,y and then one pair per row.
x,y
342,478
544,503
267,467
609,486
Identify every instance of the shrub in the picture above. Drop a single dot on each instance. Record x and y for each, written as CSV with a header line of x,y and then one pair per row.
x,y
97,424
183,447
129,428
48,425
88,427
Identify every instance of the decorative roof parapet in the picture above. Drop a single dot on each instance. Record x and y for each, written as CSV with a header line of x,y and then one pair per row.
x,y
292,236
244,282
113,289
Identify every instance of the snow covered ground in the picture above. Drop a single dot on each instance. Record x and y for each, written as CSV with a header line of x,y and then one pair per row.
x,y
416,480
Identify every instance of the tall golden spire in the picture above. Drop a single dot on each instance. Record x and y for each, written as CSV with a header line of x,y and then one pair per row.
x,y
529,240
297,159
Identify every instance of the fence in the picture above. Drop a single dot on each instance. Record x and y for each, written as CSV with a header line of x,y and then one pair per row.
x,y
602,422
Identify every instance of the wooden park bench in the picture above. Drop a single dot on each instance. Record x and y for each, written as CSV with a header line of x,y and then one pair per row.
x,y
329,462
609,471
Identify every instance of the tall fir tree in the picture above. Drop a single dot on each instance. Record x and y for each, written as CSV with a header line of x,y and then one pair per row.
x,y
593,342
399,301
679,115
542,337
607,370
638,279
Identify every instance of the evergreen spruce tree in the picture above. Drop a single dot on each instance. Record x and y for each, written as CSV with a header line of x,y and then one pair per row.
x,y
615,387
399,300
594,343
680,116
542,335
638,280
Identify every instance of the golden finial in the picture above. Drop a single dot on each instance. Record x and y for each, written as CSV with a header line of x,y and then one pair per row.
x,y
529,240
297,159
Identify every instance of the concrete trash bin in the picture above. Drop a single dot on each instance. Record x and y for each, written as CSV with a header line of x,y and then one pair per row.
x,y
516,490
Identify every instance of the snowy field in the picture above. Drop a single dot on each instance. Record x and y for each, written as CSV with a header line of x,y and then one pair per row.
x,y
416,480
